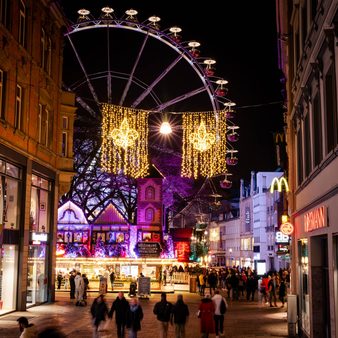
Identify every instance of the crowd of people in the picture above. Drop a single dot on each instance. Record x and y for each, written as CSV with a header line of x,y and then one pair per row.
x,y
243,283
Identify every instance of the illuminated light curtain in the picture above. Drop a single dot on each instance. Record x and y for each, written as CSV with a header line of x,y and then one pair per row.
x,y
124,141
204,144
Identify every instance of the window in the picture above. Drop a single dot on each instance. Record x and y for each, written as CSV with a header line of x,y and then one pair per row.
x,y
49,57
64,150
40,123
317,131
43,47
307,145
299,157
43,125
150,193
22,24
64,122
18,107
5,13
149,214
2,94
330,110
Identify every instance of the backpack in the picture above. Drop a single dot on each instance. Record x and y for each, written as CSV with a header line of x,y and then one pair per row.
x,y
223,307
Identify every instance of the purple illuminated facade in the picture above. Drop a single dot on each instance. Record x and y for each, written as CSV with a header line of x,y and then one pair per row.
x,y
110,235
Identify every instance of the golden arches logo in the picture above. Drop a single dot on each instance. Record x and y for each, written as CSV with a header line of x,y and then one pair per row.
x,y
279,182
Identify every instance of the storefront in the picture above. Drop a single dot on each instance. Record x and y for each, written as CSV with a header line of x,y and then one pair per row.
x,y
10,192
316,257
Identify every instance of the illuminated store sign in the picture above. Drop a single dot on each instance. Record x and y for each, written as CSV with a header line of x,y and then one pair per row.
x,y
286,228
39,237
281,238
279,182
315,219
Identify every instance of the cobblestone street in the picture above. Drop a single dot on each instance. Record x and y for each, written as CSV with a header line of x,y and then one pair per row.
x,y
243,319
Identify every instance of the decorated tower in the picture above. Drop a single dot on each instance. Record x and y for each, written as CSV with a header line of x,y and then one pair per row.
x,y
149,217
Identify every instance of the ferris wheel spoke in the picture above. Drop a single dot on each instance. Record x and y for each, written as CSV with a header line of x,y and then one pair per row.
x,y
179,99
91,88
85,106
130,80
157,80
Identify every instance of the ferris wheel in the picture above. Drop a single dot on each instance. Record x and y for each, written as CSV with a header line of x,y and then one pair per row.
x,y
128,62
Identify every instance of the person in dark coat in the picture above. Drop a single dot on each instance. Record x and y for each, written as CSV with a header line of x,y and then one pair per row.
x,y
99,311
72,284
134,317
282,291
206,315
120,306
163,310
180,314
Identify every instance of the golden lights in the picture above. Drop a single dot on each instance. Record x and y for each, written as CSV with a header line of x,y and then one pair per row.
x,y
204,150
124,141
202,140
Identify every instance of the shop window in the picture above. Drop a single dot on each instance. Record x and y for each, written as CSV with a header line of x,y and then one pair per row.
x,y
37,280
150,193
150,214
9,275
10,186
40,204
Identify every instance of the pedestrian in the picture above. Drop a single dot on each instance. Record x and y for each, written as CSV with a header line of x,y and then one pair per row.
x,y
27,330
134,317
72,284
79,289
180,314
112,279
59,279
206,315
99,312
272,285
120,306
163,310
220,305
282,291
86,285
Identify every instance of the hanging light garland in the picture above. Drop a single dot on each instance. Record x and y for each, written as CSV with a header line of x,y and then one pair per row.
x,y
204,150
124,141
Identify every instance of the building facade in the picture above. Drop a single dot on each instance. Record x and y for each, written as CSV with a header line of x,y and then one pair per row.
x,y
308,40
36,166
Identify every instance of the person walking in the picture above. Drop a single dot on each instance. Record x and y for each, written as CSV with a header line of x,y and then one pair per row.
x,y
59,279
86,285
282,291
180,314
27,330
162,310
220,305
134,317
99,312
72,284
79,289
206,315
120,306
112,279
272,285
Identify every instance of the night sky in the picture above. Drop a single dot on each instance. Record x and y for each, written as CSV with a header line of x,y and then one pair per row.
x,y
242,38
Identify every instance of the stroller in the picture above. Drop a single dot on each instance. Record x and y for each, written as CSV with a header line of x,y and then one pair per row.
x,y
132,289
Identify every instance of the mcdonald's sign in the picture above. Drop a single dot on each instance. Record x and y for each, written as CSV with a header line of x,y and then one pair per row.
x,y
279,182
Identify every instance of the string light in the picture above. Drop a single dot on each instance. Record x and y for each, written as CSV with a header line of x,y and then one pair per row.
x,y
202,140
208,162
124,141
